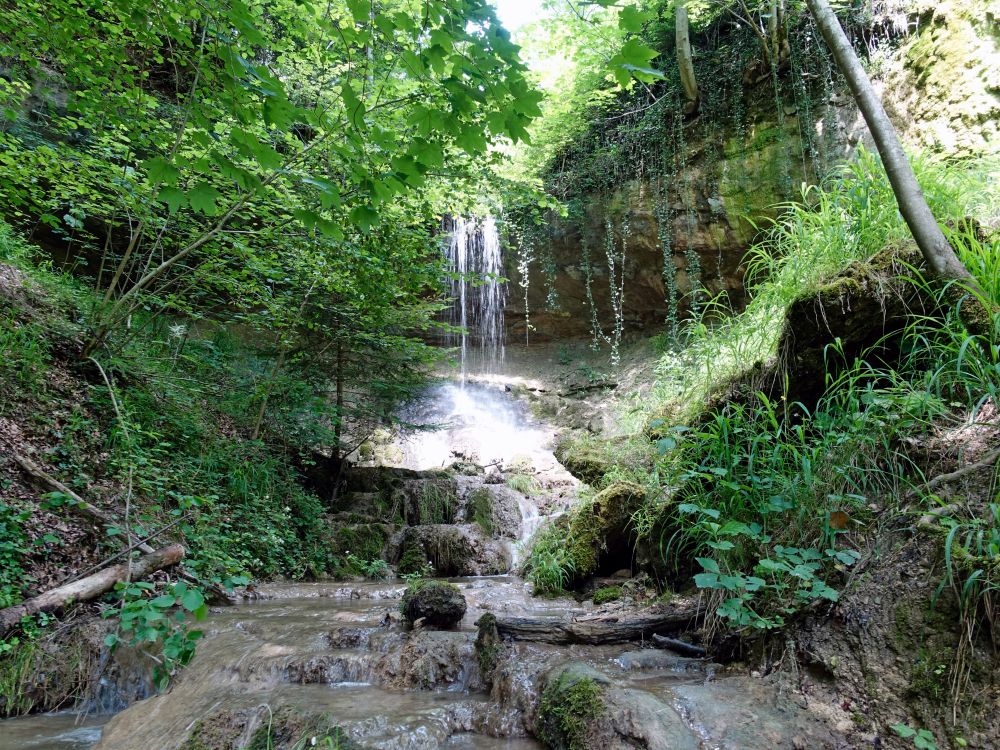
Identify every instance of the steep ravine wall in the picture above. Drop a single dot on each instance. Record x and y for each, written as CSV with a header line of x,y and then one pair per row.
x,y
734,164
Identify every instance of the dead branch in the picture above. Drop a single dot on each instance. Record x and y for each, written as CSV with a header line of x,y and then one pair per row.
x,y
92,586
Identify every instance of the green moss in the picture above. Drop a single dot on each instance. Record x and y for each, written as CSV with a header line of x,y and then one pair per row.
x,y
480,509
413,560
607,594
488,645
585,458
569,703
523,483
602,524
366,540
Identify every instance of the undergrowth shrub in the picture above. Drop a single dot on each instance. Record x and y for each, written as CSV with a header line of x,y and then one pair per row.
x,y
550,565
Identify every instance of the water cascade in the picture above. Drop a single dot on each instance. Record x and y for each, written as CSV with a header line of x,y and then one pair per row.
x,y
475,264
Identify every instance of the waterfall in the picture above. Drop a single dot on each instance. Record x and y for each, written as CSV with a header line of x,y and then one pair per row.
x,y
475,262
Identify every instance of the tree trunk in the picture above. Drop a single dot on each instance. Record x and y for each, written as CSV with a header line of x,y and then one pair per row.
x,y
79,505
685,59
598,630
913,206
338,429
92,586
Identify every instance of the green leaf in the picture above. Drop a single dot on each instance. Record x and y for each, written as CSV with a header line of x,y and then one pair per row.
x,y
192,600
161,171
364,217
202,197
631,19
706,580
174,198
353,105
708,564
164,601
903,730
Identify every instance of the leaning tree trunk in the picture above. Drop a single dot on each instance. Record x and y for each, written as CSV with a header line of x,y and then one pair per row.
x,y
685,61
912,205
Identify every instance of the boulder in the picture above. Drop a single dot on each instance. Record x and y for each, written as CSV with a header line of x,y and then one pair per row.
x,y
581,708
438,604
599,534
459,550
495,508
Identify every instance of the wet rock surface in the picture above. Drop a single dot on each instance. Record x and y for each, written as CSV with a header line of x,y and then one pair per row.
x,y
436,604
452,550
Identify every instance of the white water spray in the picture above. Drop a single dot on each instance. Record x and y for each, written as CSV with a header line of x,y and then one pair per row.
x,y
475,261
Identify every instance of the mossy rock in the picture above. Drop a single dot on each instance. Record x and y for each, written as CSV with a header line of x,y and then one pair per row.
x,y
452,550
600,532
479,509
584,458
572,702
438,604
364,540
607,594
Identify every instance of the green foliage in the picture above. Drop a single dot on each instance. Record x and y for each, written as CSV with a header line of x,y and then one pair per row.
x,y
164,619
923,739
375,568
550,565
13,549
851,218
526,484
413,563
607,594
568,704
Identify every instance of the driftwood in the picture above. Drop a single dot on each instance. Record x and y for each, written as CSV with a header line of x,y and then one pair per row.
x,y
91,586
680,647
599,630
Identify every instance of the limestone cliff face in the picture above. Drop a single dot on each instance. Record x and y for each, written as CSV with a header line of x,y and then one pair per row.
x,y
734,165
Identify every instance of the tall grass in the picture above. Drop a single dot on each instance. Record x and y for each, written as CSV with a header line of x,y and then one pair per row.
x,y
850,218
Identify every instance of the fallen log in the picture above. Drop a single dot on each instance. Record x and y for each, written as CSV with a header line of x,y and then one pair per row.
x,y
600,630
92,586
678,647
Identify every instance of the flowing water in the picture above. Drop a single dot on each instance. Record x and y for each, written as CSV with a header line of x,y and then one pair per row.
x,y
475,264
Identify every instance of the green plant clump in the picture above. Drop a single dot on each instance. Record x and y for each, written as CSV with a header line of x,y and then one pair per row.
x,y
607,594
568,705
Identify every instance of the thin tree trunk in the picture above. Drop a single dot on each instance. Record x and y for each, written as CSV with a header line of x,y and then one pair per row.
x,y
685,58
79,505
92,586
338,430
938,253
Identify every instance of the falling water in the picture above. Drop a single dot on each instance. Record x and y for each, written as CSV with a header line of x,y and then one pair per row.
x,y
475,261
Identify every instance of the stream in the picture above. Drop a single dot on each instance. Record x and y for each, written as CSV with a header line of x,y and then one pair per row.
x,y
335,655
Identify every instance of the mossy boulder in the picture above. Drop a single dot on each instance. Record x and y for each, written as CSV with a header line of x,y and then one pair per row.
x,y
438,604
584,458
581,709
364,540
600,534
570,707
452,550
